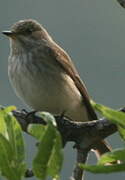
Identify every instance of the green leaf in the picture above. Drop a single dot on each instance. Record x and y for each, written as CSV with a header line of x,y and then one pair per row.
x,y
48,161
9,109
115,116
103,169
36,130
3,128
40,164
5,145
3,113
117,154
12,152
15,137
7,167
49,118
56,159
6,156
121,132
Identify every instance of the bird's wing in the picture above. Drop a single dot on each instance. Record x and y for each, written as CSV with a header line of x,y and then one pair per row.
x,y
65,62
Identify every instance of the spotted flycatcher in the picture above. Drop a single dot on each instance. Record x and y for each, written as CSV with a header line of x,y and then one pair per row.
x,y
44,77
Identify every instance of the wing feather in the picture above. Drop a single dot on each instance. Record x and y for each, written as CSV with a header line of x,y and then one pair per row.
x,y
62,58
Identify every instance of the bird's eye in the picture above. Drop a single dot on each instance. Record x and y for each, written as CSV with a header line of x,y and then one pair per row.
x,y
29,31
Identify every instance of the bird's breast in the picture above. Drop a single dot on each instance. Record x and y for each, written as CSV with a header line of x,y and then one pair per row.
x,y
46,87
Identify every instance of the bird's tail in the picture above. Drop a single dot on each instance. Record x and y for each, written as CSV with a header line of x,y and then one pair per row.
x,y
101,147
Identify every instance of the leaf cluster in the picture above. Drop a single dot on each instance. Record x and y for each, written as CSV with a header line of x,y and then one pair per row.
x,y
107,163
49,156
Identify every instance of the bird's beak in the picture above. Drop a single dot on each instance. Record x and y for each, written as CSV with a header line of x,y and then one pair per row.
x,y
8,33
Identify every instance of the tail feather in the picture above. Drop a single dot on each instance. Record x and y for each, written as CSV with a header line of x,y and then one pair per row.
x,y
101,147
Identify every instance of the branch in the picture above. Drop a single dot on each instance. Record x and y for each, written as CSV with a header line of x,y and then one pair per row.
x,y
84,134
89,132
78,173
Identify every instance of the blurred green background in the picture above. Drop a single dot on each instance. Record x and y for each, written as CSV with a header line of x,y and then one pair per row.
x,y
93,33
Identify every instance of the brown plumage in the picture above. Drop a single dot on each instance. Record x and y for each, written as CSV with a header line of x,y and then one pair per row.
x,y
44,76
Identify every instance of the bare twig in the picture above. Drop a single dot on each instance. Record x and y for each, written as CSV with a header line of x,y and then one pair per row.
x,y
78,173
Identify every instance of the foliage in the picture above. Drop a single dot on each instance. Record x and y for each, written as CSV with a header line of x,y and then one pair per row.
x,y
106,163
49,157
48,160
12,153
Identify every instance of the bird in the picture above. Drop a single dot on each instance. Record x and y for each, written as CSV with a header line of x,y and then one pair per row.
x,y
44,77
